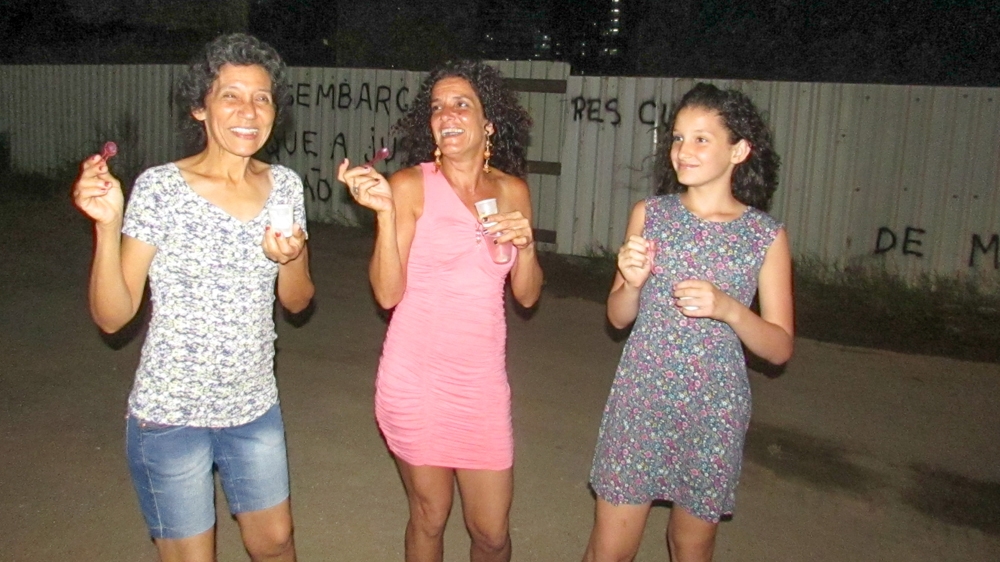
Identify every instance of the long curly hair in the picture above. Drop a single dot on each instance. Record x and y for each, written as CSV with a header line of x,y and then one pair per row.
x,y
756,178
237,49
511,122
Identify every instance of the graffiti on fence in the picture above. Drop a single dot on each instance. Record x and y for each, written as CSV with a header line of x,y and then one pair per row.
x,y
351,97
911,241
598,110
317,149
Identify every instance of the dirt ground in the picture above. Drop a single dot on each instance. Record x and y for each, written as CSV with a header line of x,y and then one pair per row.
x,y
853,454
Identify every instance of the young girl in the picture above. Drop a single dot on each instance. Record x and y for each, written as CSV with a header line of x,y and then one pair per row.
x,y
693,259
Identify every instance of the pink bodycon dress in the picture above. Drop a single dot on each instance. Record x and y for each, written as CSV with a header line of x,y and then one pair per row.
x,y
441,396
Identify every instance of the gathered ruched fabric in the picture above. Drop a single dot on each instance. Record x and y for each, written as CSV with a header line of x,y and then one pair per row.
x,y
442,397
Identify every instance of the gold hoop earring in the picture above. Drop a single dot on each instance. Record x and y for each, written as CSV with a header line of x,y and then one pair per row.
x,y
437,158
486,155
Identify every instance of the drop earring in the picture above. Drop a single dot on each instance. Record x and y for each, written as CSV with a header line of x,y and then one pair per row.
x,y
486,155
437,159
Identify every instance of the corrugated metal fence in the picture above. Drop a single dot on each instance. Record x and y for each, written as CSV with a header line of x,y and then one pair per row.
x,y
53,115
901,177
905,177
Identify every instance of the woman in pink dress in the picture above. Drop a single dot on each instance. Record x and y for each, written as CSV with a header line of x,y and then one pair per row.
x,y
442,400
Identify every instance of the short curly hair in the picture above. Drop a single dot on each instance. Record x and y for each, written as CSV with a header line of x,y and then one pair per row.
x,y
511,122
237,49
756,178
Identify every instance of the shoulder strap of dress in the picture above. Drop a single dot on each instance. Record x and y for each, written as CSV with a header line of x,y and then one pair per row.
x,y
433,181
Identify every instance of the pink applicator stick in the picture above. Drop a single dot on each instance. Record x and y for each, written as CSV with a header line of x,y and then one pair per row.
x,y
380,154
109,149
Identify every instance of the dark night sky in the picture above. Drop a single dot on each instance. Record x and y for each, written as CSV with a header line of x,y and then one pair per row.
x,y
948,42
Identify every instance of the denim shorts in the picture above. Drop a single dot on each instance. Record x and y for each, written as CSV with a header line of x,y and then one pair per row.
x,y
172,471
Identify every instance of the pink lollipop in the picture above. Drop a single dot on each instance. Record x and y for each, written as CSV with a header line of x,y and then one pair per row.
x,y
651,254
380,154
109,150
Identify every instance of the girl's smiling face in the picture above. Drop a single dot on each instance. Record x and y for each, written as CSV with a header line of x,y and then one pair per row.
x,y
239,109
701,152
458,121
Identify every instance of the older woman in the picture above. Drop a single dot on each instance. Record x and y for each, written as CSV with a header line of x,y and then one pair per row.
x,y
442,399
205,392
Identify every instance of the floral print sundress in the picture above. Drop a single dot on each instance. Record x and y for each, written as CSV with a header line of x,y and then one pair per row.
x,y
675,421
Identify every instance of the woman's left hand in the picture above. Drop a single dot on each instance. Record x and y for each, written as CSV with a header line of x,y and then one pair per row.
x,y
283,249
702,299
515,227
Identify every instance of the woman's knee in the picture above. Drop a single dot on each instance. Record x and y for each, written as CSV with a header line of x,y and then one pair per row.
x,y
492,537
267,533
429,515
268,542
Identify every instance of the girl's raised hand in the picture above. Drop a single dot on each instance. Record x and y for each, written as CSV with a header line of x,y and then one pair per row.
x,y
98,194
635,260
283,249
368,187
702,299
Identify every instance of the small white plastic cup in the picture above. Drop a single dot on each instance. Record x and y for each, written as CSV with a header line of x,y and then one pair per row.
x,y
500,253
281,218
486,207
687,307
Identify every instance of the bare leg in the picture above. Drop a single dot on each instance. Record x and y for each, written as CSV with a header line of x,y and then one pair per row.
x,y
267,533
199,548
689,538
486,499
429,490
617,532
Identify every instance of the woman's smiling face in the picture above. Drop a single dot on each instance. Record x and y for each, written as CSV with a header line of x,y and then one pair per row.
x,y
239,110
458,121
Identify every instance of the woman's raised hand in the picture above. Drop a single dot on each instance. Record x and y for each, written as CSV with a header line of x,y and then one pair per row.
x,y
368,187
635,260
98,194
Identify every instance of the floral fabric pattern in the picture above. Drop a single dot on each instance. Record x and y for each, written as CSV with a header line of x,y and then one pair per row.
x,y
676,417
208,357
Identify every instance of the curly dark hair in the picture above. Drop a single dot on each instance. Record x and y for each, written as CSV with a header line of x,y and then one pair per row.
x,y
238,49
511,122
756,178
